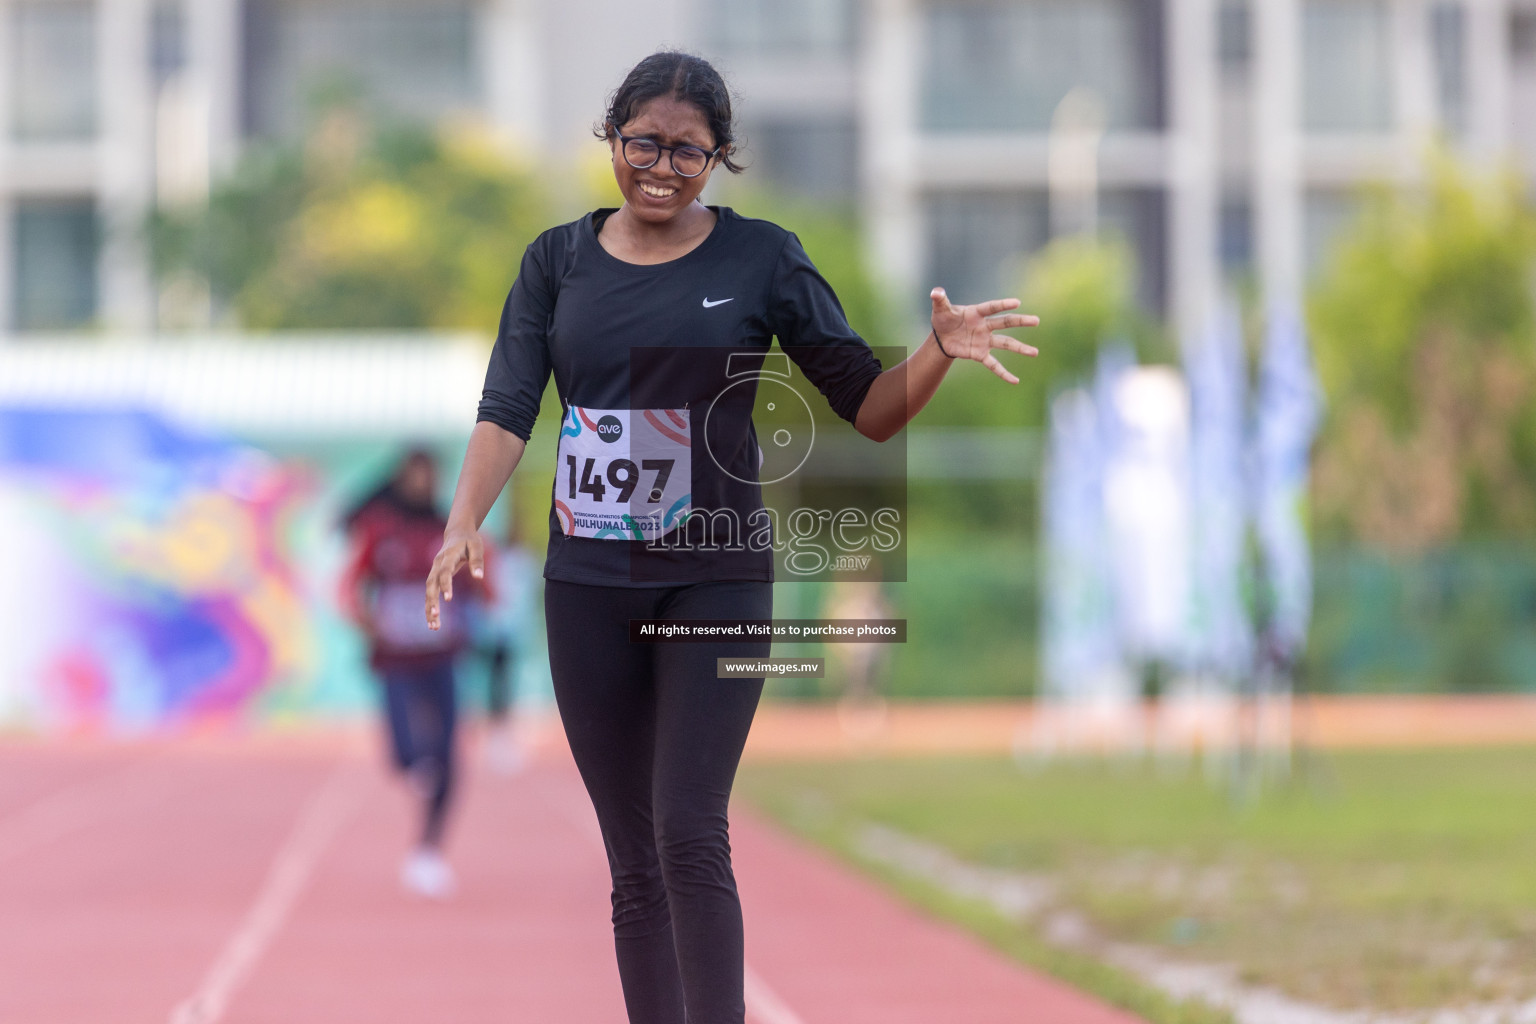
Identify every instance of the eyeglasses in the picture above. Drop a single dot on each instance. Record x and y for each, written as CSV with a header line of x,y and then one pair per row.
x,y
688,161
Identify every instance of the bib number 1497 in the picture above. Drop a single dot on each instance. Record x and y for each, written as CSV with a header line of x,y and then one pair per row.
x,y
622,474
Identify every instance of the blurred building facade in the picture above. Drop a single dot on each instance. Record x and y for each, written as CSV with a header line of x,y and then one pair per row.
x,y
1220,136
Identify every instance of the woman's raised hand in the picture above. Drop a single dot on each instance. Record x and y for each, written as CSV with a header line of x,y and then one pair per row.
x,y
967,332
459,546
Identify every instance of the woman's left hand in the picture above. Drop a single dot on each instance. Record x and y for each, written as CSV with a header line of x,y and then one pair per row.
x,y
966,332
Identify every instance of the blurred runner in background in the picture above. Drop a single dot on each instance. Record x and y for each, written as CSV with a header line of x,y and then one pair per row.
x,y
860,666
395,533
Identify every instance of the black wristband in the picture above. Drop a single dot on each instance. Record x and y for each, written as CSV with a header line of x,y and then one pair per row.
x,y
937,342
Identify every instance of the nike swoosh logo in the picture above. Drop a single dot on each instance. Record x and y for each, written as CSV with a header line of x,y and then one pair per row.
x,y
718,302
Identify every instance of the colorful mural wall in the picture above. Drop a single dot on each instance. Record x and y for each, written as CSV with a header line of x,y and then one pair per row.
x,y
153,573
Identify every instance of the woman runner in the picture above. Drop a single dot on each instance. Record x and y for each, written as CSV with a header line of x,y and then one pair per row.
x,y
630,309
394,535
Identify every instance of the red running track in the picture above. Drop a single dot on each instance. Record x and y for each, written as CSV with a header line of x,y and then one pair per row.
x,y
254,882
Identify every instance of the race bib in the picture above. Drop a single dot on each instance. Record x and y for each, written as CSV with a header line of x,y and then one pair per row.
x,y
400,624
623,474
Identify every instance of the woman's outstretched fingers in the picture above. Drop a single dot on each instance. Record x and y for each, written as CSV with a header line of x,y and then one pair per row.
x,y
991,363
967,323
995,306
1013,345
440,583
476,557
433,611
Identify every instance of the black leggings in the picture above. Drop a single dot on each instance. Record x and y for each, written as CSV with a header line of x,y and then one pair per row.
x,y
657,738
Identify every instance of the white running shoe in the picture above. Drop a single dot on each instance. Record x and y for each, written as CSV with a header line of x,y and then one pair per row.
x,y
426,873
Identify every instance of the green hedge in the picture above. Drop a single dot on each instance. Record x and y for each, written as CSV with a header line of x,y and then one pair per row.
x,y
1461,619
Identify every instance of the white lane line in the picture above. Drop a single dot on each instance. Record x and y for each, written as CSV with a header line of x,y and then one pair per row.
x,y
326,811
80,805
764,1005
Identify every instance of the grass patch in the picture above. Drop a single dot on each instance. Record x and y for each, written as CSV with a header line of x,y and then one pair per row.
x,y
976,608
1023,943
1385,880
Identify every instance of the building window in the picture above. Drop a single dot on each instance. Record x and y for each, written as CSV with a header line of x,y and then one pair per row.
x,y
400,60
782,27
1236,236
1139,215
1326,213
818,159
168,38
1522,86
53,70
1234,37
1346,66
993,66
55,259
978,241
1448,36
1522,36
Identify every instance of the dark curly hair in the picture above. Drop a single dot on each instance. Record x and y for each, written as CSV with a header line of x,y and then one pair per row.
x,y
682,76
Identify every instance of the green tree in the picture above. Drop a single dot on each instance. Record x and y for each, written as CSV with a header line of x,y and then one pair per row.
x,y
1082,288
395,227
1425,338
